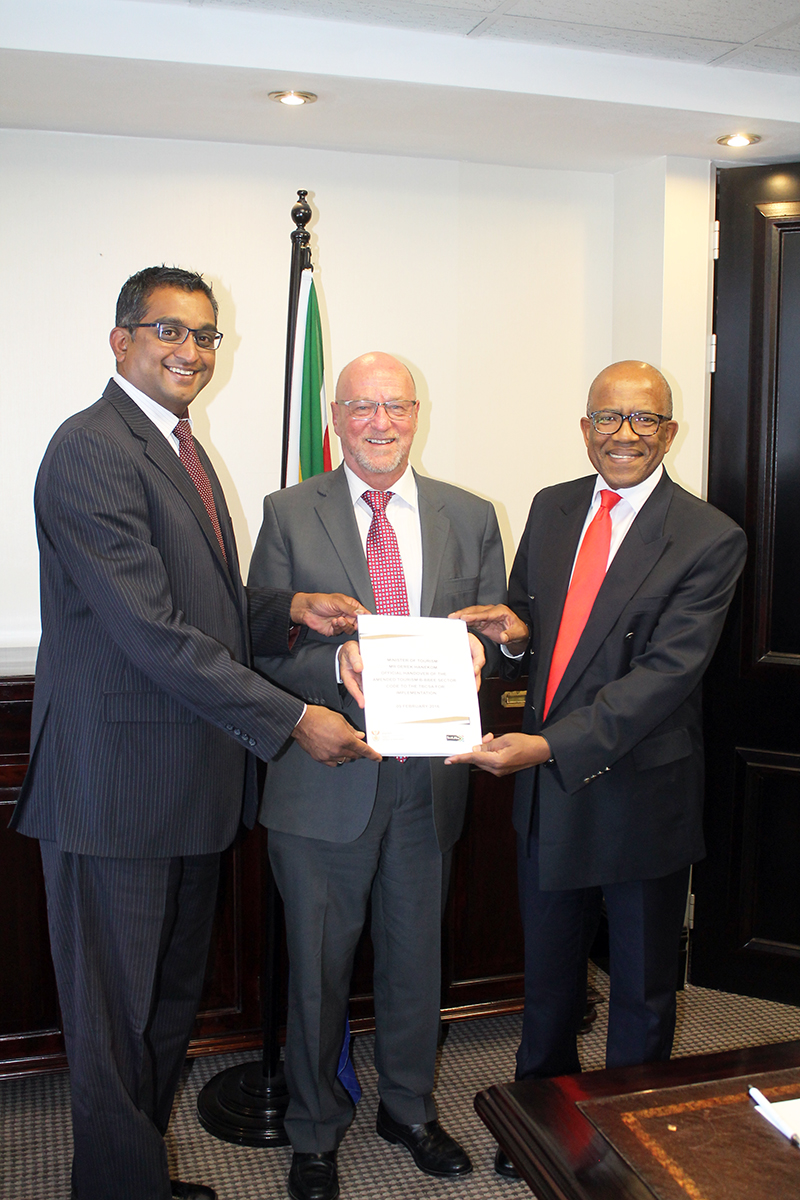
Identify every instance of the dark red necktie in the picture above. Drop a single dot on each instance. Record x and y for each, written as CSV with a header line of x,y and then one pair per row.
x,y
588,575
383,559
188,455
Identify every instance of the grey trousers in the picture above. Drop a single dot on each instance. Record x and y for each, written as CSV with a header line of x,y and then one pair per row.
x,y
130,940
325,888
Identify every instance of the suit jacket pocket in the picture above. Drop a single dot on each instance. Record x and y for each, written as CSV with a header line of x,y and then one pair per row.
x,y
645,604
144,706
662,749
459,592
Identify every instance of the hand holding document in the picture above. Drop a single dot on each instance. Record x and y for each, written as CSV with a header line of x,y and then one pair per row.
x,y
419,686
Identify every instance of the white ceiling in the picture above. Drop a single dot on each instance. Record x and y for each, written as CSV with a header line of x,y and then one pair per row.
x,y
583,84
759,35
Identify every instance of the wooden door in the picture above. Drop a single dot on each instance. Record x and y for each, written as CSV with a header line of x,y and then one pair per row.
x,y
747,912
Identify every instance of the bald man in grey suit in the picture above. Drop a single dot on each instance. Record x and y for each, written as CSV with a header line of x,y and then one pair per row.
x,y
146,718
372,831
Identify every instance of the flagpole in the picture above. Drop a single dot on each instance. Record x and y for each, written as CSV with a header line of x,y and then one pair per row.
x,y
301,261
246,1104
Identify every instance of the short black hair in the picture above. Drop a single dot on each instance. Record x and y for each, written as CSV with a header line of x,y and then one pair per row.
x,y
136,291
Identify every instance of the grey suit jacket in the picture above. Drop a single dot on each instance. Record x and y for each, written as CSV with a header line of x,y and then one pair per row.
x,y
145,713
624,798
309,541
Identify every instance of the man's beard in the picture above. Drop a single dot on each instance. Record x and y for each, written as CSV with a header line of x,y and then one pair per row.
x,y
384,466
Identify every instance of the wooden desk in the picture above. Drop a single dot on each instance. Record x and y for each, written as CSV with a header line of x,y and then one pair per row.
x,y
545,1127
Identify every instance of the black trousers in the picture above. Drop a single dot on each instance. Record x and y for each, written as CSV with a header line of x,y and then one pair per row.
x,y
129,939
645,918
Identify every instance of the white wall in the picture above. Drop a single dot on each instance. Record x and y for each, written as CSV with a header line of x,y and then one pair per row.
x,y
663,213
494,284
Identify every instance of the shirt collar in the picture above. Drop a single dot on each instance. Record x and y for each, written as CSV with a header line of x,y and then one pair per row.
x,y
160,416
404,488
636,496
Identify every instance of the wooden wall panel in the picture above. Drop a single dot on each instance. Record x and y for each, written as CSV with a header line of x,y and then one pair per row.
x,y
482,957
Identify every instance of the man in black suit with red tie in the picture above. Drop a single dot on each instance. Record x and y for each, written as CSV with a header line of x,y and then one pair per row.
x,y
617,598
146,718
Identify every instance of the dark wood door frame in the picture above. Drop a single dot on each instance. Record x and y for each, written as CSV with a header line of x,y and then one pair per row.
x,y
747,912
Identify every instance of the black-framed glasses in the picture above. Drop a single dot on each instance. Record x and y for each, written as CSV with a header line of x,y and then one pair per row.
x,y
175,335
645,424
362,410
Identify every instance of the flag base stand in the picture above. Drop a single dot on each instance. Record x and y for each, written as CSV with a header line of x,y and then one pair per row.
x,y
244,1106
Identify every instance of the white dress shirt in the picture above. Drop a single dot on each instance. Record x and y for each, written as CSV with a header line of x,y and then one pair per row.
x,y
623,514
625,511
402,513
162,418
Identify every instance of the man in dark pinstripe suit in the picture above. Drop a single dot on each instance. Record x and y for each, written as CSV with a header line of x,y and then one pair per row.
x,y
146,719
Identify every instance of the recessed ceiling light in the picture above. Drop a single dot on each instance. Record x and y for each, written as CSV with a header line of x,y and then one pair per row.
x,y
293,97
739,139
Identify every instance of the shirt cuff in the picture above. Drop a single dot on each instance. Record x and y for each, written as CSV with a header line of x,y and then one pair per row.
x,y
302,714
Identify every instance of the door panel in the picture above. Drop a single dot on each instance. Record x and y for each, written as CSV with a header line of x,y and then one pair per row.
x,y
747,912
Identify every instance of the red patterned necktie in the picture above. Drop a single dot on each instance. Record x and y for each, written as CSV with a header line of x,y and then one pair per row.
x,y
588,575
188,455
383,559
385,564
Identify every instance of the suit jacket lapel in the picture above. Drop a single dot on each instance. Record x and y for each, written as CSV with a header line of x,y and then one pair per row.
x,y
335,510
644,544
557,555
435,528
225,522
168,462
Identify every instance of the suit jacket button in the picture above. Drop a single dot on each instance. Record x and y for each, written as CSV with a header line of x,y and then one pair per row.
x,y
252,741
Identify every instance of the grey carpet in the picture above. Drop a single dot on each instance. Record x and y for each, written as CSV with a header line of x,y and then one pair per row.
x,y
35,1140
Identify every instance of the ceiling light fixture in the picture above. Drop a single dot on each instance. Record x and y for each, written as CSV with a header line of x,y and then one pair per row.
x,y
735,140
293,97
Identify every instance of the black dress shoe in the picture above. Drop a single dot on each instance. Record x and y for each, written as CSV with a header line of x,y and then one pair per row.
x,y
504,1166
433,1150
313,1176
191,1191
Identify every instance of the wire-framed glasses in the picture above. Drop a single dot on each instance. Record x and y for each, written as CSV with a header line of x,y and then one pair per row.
x,y
363,410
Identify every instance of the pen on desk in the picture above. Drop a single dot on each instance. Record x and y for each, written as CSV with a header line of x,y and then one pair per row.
x,y
763,1103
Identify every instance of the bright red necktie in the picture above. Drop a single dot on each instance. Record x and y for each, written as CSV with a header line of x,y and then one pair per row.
x,y
383,559
588,575
188,455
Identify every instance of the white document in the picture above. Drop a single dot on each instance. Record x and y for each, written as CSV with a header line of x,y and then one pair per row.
x,y
784,1115
419,686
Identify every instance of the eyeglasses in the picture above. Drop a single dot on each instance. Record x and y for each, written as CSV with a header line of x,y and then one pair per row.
x,y
362,410
645,424
176,335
